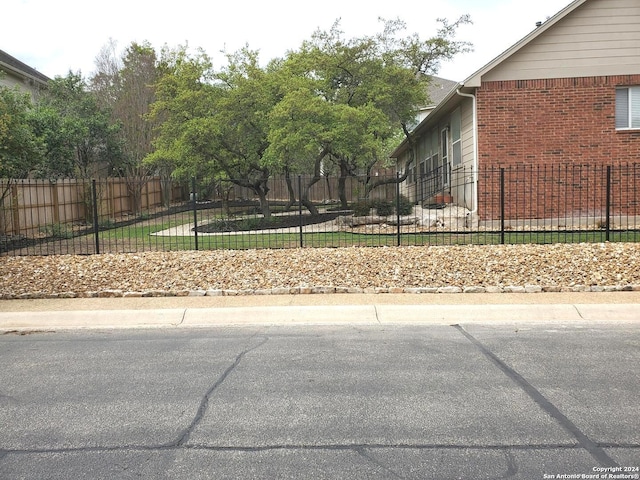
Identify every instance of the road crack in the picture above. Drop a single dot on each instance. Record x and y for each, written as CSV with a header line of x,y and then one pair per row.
x,y
204,403
595,450
184,314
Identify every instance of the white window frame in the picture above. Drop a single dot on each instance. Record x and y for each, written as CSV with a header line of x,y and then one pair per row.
x,y
456,137
445,148
627,108
435,149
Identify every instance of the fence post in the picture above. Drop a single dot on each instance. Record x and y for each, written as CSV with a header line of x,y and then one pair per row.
x,y
608,205
398,205
194,195
502,206
300,209
15,207
94,199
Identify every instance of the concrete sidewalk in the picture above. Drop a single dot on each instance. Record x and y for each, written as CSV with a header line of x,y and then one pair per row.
x,y
330,309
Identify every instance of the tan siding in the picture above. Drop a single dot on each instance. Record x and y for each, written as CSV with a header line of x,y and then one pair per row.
x,y
10,81
602,37
467,132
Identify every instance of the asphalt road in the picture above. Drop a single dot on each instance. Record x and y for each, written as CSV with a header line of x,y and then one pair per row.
x,y
348,402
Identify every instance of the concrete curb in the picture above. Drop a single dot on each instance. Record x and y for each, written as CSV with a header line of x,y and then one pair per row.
x,y
320,315
324,290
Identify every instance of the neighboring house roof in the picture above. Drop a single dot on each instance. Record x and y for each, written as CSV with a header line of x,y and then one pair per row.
x,y
16,68
438,89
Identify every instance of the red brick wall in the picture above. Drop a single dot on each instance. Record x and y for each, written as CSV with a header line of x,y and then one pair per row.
x,y
549,124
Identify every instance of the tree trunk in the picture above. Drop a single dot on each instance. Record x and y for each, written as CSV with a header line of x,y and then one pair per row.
x,y
290,189
258,184
399,178
264,203
342,186
328,179
304,197
261,189
165,190
317,176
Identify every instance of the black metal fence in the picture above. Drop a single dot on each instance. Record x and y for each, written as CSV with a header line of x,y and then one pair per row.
x,y
517,204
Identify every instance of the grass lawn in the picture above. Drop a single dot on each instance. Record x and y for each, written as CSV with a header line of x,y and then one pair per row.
x,y
144,235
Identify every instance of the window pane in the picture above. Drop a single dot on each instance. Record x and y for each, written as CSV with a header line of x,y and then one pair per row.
x,y
445,144
434,141
635,107
455,125
622,108
457,152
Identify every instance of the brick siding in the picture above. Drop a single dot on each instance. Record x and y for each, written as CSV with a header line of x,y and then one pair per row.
x,y
554,129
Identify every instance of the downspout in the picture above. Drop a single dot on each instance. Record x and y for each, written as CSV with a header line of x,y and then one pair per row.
x,y
474,178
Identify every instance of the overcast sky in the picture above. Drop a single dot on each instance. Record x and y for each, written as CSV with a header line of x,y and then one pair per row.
x,y
57,36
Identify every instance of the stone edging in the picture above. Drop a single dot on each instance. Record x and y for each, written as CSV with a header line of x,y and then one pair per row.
x,y
324,290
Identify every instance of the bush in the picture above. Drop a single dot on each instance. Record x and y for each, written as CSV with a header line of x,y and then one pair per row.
x,y
256,223
106,224
405,205
361,208
383,208
57,230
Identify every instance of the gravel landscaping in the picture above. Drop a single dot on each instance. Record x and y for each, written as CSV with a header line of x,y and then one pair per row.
x,y
503,268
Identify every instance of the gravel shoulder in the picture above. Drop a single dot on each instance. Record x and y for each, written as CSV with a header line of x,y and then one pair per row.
x,y
469,268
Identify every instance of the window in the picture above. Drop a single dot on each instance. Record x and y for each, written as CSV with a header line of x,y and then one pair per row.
x,y
456,137
434,151
444,148
627,108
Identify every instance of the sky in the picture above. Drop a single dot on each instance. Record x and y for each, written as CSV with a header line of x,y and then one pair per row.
x,y
62,35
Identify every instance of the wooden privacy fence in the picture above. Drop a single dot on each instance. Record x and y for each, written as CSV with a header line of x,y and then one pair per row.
x,y
324,190
27,206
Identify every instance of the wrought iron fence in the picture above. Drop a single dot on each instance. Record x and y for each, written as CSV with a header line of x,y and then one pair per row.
x,y
517,204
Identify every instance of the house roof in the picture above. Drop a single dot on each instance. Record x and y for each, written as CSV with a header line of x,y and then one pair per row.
x,y
438,89
474,80
16,67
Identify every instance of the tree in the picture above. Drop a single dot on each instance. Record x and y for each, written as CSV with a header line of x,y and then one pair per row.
x,y
332,101
346,100
80,138
216,123
126,87
21,150
182,96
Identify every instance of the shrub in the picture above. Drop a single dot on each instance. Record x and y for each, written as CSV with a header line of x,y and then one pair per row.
x,y
383,207
405,205
256,223
361,208
57,230
106,224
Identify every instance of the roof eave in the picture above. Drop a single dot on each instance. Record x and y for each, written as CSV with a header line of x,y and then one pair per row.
x,y
475,79
433,114
22,74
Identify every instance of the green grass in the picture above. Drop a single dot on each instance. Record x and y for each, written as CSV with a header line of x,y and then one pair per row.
x,y
139,237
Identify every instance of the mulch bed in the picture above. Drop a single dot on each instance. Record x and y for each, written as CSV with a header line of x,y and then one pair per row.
x,y
261,223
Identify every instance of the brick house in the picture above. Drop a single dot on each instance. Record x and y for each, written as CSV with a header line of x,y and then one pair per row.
x,y
568,93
